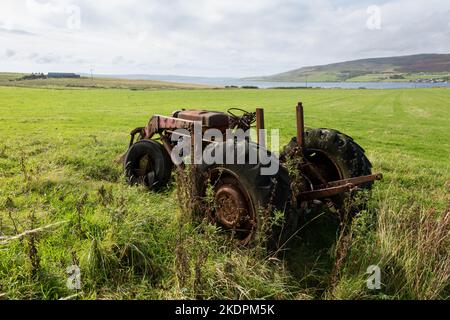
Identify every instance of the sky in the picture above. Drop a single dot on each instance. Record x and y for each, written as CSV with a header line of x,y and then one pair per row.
x,y
230,38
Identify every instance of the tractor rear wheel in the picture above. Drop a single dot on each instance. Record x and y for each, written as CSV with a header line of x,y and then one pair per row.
x,y
243,200
335,156
147,163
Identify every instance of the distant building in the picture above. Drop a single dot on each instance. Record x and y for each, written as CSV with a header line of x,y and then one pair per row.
x,y
62,75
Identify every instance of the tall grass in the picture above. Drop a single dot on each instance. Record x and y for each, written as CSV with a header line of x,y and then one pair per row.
x,y
125,252
410,244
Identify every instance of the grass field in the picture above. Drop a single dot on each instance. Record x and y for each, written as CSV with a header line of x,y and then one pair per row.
x,y
57,153
14,80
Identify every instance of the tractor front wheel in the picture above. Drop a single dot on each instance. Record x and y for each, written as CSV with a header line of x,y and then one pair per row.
x,y
147,163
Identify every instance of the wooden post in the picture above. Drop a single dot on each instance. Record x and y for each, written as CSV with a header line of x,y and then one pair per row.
x,y
261,139
300,125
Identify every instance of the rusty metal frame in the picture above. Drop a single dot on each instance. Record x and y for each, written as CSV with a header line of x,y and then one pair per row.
x,y
133,133
356,180
159,123
337,187
332,188
166,125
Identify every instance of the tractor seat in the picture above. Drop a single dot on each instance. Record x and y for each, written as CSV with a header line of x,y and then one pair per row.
x,y
211,119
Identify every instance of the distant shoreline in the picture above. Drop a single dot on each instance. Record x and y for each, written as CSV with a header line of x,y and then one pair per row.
x,y
152,82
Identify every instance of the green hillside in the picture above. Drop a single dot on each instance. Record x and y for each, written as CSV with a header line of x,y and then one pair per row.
x,y
425,67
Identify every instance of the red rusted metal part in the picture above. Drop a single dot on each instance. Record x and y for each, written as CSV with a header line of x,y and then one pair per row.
x,y
356,180
134,132
261,139
166,144
324,193
337,187
210,119
159,123
300,125
231,206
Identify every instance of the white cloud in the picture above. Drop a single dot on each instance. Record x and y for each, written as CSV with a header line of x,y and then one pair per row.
x,y
213,38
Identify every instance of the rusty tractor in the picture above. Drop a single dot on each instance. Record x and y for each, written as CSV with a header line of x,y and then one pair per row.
x,y
317,167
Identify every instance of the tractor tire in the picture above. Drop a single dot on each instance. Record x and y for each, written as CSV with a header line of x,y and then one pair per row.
x,y
243,198
147,163
336,156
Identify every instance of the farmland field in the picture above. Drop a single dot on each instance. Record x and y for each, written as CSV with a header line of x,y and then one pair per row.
x,y
57,164
16,80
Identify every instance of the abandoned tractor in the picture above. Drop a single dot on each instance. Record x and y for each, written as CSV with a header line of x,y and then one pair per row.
x,y
317,167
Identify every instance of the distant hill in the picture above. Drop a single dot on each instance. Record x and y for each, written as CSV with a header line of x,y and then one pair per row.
x,y
25,80
405,68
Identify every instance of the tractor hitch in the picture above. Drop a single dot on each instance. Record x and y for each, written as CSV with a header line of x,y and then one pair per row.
x,y
334,188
